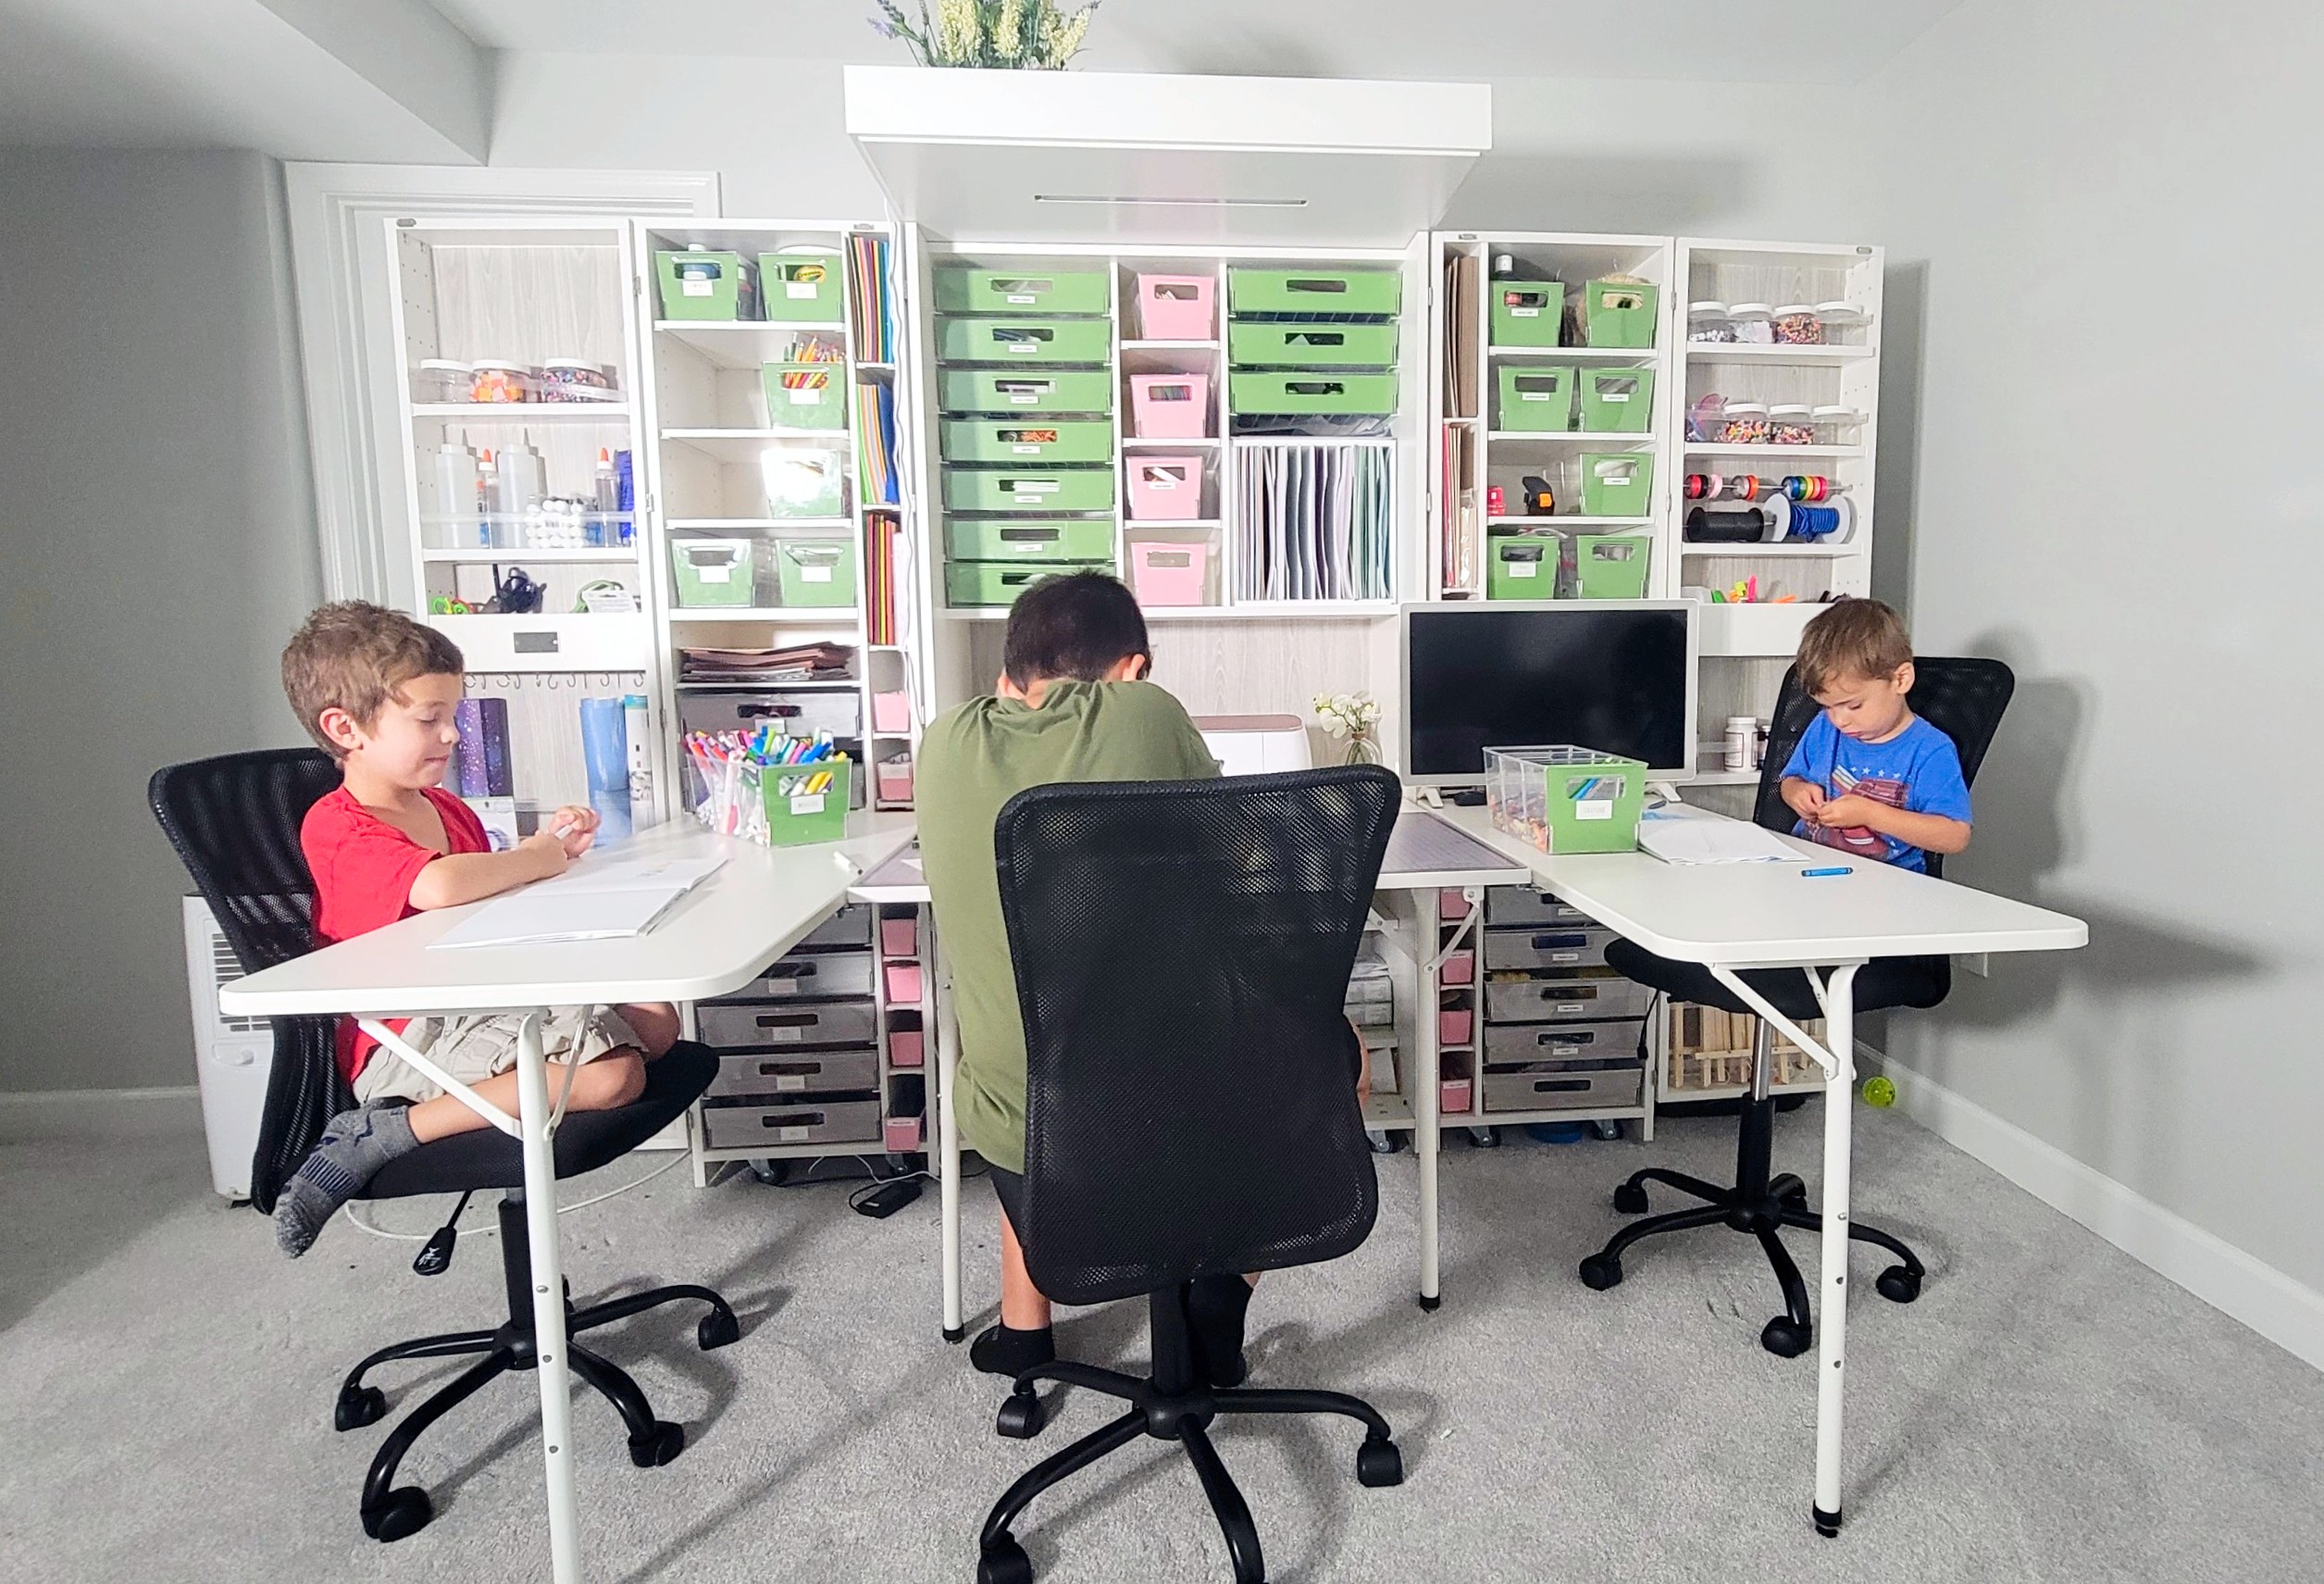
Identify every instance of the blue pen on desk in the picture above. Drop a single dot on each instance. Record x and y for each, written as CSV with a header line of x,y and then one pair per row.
x,y
1820,874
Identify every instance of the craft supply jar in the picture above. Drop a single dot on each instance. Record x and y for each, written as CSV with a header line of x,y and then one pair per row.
x,y
441,379
1743,732
574,379
1751,322
1745,423
1837,426
496,381
1791,423
1796,324
1708,321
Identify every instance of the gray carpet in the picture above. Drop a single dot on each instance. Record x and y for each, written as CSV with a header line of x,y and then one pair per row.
x,y
2049,1410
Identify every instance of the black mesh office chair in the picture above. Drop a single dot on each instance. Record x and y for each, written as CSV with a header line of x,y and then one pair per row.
x,y
1964,698
235,822
1182,953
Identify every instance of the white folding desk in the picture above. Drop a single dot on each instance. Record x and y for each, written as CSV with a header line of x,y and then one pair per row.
x,y
1733,916
1423,857
713,940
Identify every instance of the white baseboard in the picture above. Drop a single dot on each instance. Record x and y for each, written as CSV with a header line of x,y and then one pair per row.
x,y
2223,1276
29,1115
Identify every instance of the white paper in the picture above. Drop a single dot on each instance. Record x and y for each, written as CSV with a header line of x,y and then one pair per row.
x,y
589,902
1712,841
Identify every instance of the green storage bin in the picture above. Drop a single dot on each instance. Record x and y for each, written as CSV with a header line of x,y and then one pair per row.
x,y
1526,313
978,584
1028,440
1617,401
1619,313
804,482
816,572
1022,292
1566,799
1024,341
1330,293
1087,540
711,572
701,284
1522,566
802,288
796,817
1536,400
805,395
1617,483
1025,390
1044,489
1270,394
1611,566
1271,345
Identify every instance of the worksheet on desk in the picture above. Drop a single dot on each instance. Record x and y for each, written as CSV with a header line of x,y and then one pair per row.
x,y
589,902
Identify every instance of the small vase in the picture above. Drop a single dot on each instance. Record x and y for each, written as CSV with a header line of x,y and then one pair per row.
x,y
1362,751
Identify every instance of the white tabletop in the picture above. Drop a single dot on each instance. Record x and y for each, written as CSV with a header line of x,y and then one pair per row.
x,y
1746,915
715,939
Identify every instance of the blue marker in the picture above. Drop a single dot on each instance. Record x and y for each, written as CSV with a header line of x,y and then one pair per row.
x,y
1820,874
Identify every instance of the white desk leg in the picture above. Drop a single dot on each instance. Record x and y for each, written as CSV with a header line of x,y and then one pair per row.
x,y
1831,1359
948,1145
1427,1093
548,1302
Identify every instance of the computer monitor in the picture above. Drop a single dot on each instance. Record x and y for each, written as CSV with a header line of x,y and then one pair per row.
x,y
1614,675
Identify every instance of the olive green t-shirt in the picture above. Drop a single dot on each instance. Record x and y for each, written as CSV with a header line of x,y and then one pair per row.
x,y
973,760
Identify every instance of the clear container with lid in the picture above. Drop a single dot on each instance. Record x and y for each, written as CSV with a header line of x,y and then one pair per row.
x,y
576,379
1837,425
1745,423
1752,322
441,379
495,380
1708,322
1791,423
1796,324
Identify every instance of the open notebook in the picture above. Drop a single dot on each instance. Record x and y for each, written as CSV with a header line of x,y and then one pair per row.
x,y
589,902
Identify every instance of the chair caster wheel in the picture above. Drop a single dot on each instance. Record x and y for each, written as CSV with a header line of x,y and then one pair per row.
x,y
1379,1464
660,1445
1485,1138
1021,1416
1898,1285
1629,1199
405,1512
1004,1561
717,1329
1599,1273
1786,1339
358,1406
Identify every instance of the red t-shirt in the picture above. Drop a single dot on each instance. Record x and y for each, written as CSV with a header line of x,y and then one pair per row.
x,y
363,868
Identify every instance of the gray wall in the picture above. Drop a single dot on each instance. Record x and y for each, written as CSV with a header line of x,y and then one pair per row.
x,y
156,545
2096,216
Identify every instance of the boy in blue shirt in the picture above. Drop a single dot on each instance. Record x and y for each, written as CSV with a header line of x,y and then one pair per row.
x,y
1869,776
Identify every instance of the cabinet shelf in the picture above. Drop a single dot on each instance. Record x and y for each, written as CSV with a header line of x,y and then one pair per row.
x,y
523,412
1752,352
621,555
747,445
1709,448
1818,550
743,343
1577,437
1578,354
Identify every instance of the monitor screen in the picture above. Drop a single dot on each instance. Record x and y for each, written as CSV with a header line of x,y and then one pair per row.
x,y
1617,676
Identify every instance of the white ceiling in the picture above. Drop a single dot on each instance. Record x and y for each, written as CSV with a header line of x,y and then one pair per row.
x,y
1769,41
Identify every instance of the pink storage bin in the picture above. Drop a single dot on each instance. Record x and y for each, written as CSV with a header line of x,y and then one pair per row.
x,y
1452,1025
1454,1097
901,1135
903,984
1169,406
900,937
891,712
905,1048
1451,906
894,777
1177,307
1461,967
1165,489
1164,573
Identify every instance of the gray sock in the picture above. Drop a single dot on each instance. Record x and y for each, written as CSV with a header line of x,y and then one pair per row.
x,y
354,1145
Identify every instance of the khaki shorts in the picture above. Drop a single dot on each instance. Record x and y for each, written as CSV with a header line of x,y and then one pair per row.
x,y
474,1047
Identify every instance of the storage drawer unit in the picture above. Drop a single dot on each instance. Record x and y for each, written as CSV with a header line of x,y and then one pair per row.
x,y
1267,345
1267,393
1548,998
1023,391
761,1025
1330,293
827,1122
1083,540
1553,1086
1562,1041
971,584
1546,948
1018,489
1016,440
850,929
960,291
820,975
1521,907
1024,341
792,714
823,1072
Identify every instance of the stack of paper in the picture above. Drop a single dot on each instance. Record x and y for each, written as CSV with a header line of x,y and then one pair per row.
x,y
590,901
1314,523
1689,837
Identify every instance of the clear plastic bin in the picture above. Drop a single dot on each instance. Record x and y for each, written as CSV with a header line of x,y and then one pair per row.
x,y
1837,426
1752,321
1745,423
1709,321
494,381
1796,324
576,379
442,380
1791,423
1565,799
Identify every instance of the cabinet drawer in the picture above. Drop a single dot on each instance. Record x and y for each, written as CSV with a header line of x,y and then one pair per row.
x,y
1030,488
1020,440
763,1027
1022,292
970,585
851,927
1312,346
822,976
1264,394
821,1072
1549,999
831,1122
1562,1041
1546,948
1549,1086
1026,539
1024,341
1518,904
792,714
1015,391
1376,291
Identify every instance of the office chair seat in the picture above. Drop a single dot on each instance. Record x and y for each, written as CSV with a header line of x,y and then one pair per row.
x,y
1881,984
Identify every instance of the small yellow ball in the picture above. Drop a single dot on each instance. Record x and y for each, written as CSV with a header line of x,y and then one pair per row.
x,y
1880,1090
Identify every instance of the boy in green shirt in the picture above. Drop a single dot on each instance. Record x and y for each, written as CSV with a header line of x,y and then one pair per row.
x,y
1072,705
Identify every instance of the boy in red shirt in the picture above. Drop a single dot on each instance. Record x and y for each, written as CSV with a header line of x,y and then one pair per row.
x,y
377,690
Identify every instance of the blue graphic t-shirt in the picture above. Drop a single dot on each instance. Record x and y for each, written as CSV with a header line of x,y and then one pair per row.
x,y
1917,770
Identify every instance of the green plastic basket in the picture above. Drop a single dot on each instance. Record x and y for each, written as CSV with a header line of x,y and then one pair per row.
x,y
1022,440
975,585
1617,401
1522,566
805,395
1611,566
1083,540
1526,313
1536,399
1379,293
1269,394
1022,292
709,572
802,288
1024,341
796,817
1272,345
1617,483
1619,313
1565,799
816,572
1025,390
701,284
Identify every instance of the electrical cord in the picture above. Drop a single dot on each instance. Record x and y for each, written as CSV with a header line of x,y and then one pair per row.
x,y
488,1228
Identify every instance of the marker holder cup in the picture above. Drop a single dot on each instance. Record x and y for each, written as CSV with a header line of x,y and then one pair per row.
x,y
769,804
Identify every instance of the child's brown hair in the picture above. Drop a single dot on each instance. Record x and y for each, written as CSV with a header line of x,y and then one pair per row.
x,y
354,656
1855,638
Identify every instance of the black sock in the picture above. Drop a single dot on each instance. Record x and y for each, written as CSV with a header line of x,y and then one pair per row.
x,y
1214,1311
1002,1351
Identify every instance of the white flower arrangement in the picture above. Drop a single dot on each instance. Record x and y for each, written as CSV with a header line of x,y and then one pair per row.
x,y
1350,716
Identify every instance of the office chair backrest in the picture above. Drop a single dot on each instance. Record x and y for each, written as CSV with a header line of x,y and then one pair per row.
x,y
234,821
1964,698
1182,955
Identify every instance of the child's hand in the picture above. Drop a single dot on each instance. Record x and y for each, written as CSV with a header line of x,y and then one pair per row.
x,y
546,849
1806,799
1847,812
576,826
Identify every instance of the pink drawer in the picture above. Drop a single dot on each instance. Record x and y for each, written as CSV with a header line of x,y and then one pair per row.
x,y
903,984
1177,307
1453,1024
1165,488
1169,406
894,780
905,1048
901,1135
1451,906
1461,967
1456,1096
900,937
1163,573
891,712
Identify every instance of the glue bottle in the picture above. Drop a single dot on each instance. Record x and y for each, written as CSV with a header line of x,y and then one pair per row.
x,y
491,494
457,484
525,480
605,494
